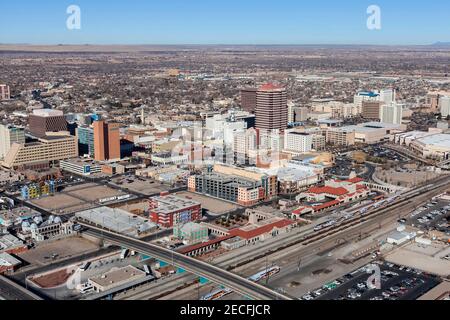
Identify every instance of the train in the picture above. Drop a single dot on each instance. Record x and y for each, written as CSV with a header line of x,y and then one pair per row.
x,y
265,274
216,294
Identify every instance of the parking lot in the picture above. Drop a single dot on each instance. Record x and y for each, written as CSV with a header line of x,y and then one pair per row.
x,y
397,283
46,253
432,216
379,151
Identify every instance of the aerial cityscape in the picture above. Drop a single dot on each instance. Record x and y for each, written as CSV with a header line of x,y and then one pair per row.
x,y
229,172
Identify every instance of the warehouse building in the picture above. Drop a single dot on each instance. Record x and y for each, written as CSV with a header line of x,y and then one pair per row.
x,y
117,220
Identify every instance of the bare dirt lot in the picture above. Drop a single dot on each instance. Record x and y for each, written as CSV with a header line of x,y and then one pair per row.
x,y
146,187
52,280
76,198
61,249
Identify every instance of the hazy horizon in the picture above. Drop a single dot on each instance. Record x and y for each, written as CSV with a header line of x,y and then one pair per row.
x,y
250,22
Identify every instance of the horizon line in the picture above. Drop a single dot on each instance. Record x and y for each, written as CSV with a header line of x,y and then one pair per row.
x,y
227,44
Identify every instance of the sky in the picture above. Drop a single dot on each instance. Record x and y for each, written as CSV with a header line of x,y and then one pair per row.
x,y
251,22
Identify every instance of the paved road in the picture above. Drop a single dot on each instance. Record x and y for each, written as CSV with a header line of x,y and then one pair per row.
x,y
9,290
194,266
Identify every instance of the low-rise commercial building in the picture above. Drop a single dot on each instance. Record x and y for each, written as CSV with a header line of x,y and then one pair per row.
x,y
191,232
116,278
117,220
11,244
8,263
168,159
83,167
170,210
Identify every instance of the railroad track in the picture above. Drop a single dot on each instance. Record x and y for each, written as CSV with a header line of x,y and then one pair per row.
x,y
329,233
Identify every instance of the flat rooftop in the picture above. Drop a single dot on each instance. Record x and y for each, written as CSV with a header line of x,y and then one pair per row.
x,y
117,277
9,241
438,140
117,220
171,203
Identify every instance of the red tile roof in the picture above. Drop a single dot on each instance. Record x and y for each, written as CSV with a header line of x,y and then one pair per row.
x,y
329,190
261,230
270,86
326,205
353,180
300,210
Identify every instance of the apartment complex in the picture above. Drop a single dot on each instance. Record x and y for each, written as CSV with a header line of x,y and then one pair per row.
x,y
299,142
41,152
246,192
233,184
37,190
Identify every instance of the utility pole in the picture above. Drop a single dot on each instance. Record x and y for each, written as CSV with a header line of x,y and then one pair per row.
x,y
198,290
173,265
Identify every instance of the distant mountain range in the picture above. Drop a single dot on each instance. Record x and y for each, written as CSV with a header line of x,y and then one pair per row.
x,y
441,44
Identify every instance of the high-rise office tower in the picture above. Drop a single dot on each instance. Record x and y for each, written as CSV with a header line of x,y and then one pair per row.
x,y
392,113
387,96
106,141
248,99
444,105
86,141
44,121
271,108
371,110
8,136
4,92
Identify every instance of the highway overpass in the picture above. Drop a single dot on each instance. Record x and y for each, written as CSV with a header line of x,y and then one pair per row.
x,y
217,275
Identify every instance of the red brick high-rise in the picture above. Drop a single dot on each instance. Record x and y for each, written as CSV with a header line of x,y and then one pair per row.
x,y
106,141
